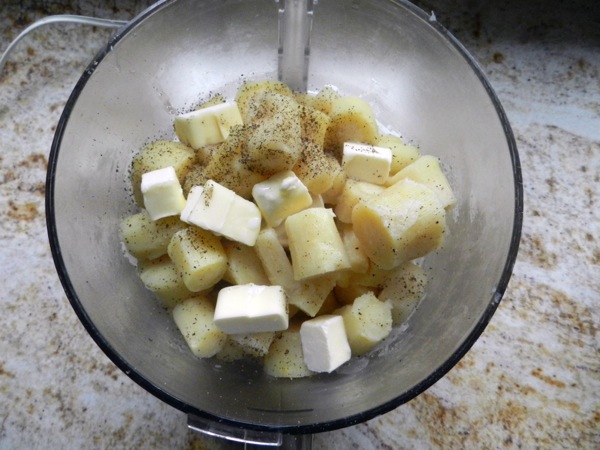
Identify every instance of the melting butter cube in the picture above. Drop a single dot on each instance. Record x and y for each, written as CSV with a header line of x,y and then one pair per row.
x,y
208,125
324,343
251,308
220,210
163,195
366,162
281,195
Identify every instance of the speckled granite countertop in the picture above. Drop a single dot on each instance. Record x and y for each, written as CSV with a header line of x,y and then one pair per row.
x,y
531,381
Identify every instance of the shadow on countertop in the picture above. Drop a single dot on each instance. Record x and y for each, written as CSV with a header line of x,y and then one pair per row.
x,y
550,21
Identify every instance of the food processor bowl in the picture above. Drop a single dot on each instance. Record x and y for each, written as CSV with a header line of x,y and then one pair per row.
x,y
421,83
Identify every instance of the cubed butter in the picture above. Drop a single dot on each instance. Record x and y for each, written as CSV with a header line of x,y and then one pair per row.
x,y
324,343
162,192
251,308
220,210
281,195
366,162
208,125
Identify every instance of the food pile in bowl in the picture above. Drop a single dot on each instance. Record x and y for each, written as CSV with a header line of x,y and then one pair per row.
x,y
286,227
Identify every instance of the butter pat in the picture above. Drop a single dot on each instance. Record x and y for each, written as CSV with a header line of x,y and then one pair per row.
x,y
220,210
251,308
281,195
324,343
163,196
366,162
208,125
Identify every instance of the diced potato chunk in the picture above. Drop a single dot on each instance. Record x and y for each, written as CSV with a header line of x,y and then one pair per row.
x,y
274,259
199,257
339,178
358,259
321,101
162,278
368,321
194,318
274,143
285,358
310,295
404,288
329,305
354,191
316,169
346,295
250,94
427,170
352,120
313,125
254,344
402,153
148,239
158,155
243,265
231,351
227,165
405,222
315,244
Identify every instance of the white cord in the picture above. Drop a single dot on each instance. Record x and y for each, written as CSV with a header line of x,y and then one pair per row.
x,y
60,18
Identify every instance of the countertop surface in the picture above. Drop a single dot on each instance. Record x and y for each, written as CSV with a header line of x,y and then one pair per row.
x,y
532,380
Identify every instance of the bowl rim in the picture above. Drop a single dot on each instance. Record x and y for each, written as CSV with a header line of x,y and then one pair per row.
x,y
161,394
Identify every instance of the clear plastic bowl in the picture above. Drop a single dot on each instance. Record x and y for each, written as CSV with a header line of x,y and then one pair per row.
x,y
420,81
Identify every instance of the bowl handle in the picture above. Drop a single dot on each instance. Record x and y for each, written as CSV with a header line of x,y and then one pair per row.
x,y
239,438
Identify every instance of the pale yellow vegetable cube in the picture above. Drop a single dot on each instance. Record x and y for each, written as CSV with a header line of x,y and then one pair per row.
x,y
316,247
254,344
162,278
339,177
274,259
275,143
199,257
324,99
402,154
194,318
145,238
318,170
329,305
310,295
405,222
250,94
404,288
231,351
227,167
158,155
243,265
359,261
375,277
368,321
346,295
285,358
354,191
427,170
352,120
313,125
